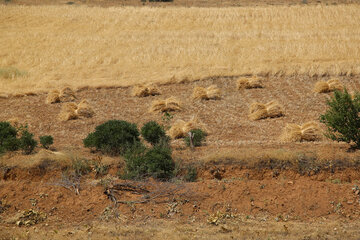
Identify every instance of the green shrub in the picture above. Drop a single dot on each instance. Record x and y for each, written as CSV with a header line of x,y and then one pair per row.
x,y
27,142
199,138
8,140
191,174
113,137
153,132
342,118
155,162
159,162
46,141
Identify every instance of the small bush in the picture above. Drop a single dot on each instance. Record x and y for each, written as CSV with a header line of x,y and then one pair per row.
x,y
342,118
8,140
135,163
81,166
27,142
199,137
46,141
155,162
100,169
153,132
191,174
113,137
159,162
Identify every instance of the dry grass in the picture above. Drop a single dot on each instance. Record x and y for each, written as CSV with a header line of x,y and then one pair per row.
x,y
248,83
329,86
211,92
168,105
309,131
237,227
44,159
181,128
145,90
125,46
269,110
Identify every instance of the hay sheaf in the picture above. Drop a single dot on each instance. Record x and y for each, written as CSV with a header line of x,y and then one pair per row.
x,y
211,92
248,83
53,97
309,131
166,105
269,110
67,95
68,112
145,90
84,109
329,86
71,110
181,128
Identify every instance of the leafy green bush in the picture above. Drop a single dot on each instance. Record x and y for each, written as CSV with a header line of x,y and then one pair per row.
x,y
155,162
8,140
342,118
46,141
113,137
27,142
199,138
153,132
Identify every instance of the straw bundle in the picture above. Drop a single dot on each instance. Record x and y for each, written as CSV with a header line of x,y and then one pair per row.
x,y
274,109
68,112
181,128
53,97
329,86
84,109
248,83
167,105
145,90
212,92
309,131
269,110
257,111
67,95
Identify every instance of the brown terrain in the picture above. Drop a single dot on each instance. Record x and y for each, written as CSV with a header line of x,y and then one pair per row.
x,y
250,184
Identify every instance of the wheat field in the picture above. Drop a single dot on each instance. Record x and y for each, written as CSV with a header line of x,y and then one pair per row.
x,y
55,46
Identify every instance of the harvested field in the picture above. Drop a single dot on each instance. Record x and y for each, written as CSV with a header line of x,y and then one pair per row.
x,y
92,61
61,46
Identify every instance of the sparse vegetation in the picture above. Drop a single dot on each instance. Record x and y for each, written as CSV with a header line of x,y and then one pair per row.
x,y
113,137
191,174
81,166
46,141
342,118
